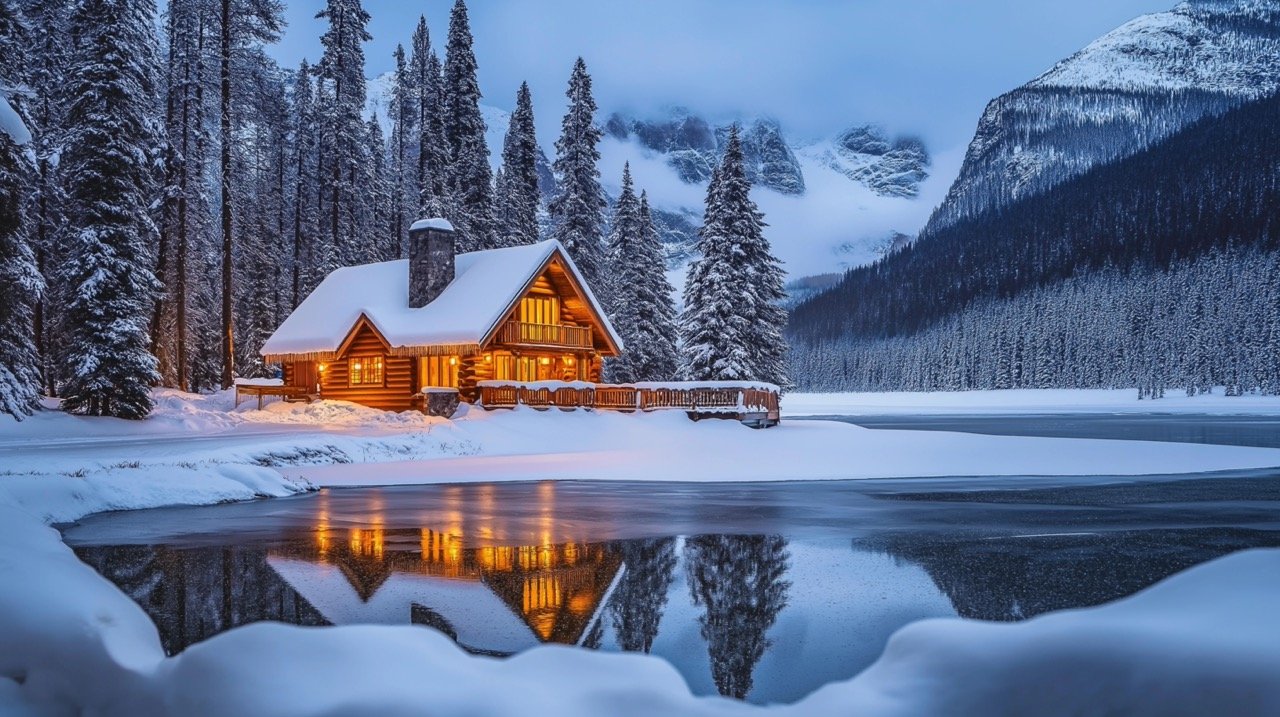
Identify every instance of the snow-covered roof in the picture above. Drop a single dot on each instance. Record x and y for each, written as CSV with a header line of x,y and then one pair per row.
x,y
485,285
433,223
479,617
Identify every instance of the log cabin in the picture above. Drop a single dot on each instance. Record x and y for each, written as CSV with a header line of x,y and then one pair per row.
x,y
386,334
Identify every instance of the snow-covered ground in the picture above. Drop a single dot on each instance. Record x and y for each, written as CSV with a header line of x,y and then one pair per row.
x,y
62,466
1024,401
1204,642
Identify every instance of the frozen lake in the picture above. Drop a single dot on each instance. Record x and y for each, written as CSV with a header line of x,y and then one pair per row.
x,y
761,591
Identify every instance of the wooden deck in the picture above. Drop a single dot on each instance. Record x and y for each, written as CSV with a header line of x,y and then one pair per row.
x,y
755,406
286,393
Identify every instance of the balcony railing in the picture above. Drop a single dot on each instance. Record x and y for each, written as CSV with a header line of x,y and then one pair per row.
x,y
519,332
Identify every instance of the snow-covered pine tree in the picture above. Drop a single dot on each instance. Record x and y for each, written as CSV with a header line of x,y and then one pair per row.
x,y
20,280
107,164
577,210
401,169
520,197
44,57
242,26
262,122
426,76
469,179
302,257
733,321
382,232
342,69
658,319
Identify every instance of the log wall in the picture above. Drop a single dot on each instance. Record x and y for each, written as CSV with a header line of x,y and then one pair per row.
x,y
397,390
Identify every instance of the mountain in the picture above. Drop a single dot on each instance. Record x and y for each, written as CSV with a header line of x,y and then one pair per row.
x,y
691,146
831,203
1130,88
1161,269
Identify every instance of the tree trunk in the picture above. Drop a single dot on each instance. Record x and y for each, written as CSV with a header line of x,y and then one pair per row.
x,y
228,340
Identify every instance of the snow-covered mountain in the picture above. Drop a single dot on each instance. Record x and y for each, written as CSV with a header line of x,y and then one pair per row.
x,y
1131,87
831,203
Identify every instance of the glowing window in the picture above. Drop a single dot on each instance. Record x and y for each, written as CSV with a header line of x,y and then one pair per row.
x,y
438,371
365,371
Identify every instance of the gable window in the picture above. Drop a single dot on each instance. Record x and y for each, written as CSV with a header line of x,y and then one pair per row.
x,y
543,310
365,371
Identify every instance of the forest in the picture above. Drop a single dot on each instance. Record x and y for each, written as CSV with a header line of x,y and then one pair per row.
x,y
1154,271
169,193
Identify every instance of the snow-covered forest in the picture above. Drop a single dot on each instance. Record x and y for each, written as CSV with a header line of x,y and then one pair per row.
x,y
1157,271
169,193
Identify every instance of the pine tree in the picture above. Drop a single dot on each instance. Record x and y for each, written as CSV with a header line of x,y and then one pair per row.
x,y
20,282
577,210
403,190
44,56
433,156
639,303
733,320
468,176
302,261
342,68
519,197
107,165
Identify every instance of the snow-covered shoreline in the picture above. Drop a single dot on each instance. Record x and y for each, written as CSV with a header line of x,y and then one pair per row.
x,y
1032,401
72,642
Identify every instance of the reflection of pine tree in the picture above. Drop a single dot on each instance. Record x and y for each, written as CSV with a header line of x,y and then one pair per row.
x,y
196,593
641,595
739,580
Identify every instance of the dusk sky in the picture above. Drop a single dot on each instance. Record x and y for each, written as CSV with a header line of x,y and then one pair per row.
x,y
917,66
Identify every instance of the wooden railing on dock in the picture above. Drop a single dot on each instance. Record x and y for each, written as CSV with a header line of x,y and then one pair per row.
x,y
755,404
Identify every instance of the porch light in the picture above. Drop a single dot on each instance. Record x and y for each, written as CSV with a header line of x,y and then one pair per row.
x,y
544,360
488,358
568,360
323,366
453,360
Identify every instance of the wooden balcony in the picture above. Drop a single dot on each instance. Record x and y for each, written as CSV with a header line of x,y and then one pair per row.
x,y
518,333
755,405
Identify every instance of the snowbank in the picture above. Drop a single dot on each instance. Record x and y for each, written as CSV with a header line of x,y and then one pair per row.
x,y
1203,642
1022,401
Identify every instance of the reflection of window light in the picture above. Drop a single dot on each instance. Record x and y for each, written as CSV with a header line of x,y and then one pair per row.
x,y
568,360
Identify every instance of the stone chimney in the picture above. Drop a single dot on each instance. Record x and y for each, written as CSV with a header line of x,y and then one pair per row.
x,y
430,260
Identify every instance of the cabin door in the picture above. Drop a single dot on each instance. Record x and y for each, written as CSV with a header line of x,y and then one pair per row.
x,y
546,371
305,376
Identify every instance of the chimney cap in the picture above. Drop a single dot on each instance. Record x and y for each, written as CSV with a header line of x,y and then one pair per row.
x,y
432,223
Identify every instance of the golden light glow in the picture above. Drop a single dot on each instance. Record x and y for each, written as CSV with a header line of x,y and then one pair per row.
x,y
568,360
544,360
488,358
323,366
453,360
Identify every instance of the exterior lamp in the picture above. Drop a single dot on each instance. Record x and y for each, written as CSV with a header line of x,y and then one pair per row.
x,y
544,360
453,360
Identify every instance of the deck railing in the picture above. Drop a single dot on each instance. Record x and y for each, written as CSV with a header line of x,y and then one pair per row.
x,y
519,332
751,402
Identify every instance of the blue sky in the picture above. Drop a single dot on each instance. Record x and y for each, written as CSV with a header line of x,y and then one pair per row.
x,y
914,66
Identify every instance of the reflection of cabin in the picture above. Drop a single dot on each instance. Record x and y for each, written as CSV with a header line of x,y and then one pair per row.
x,y
378,334
497,600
